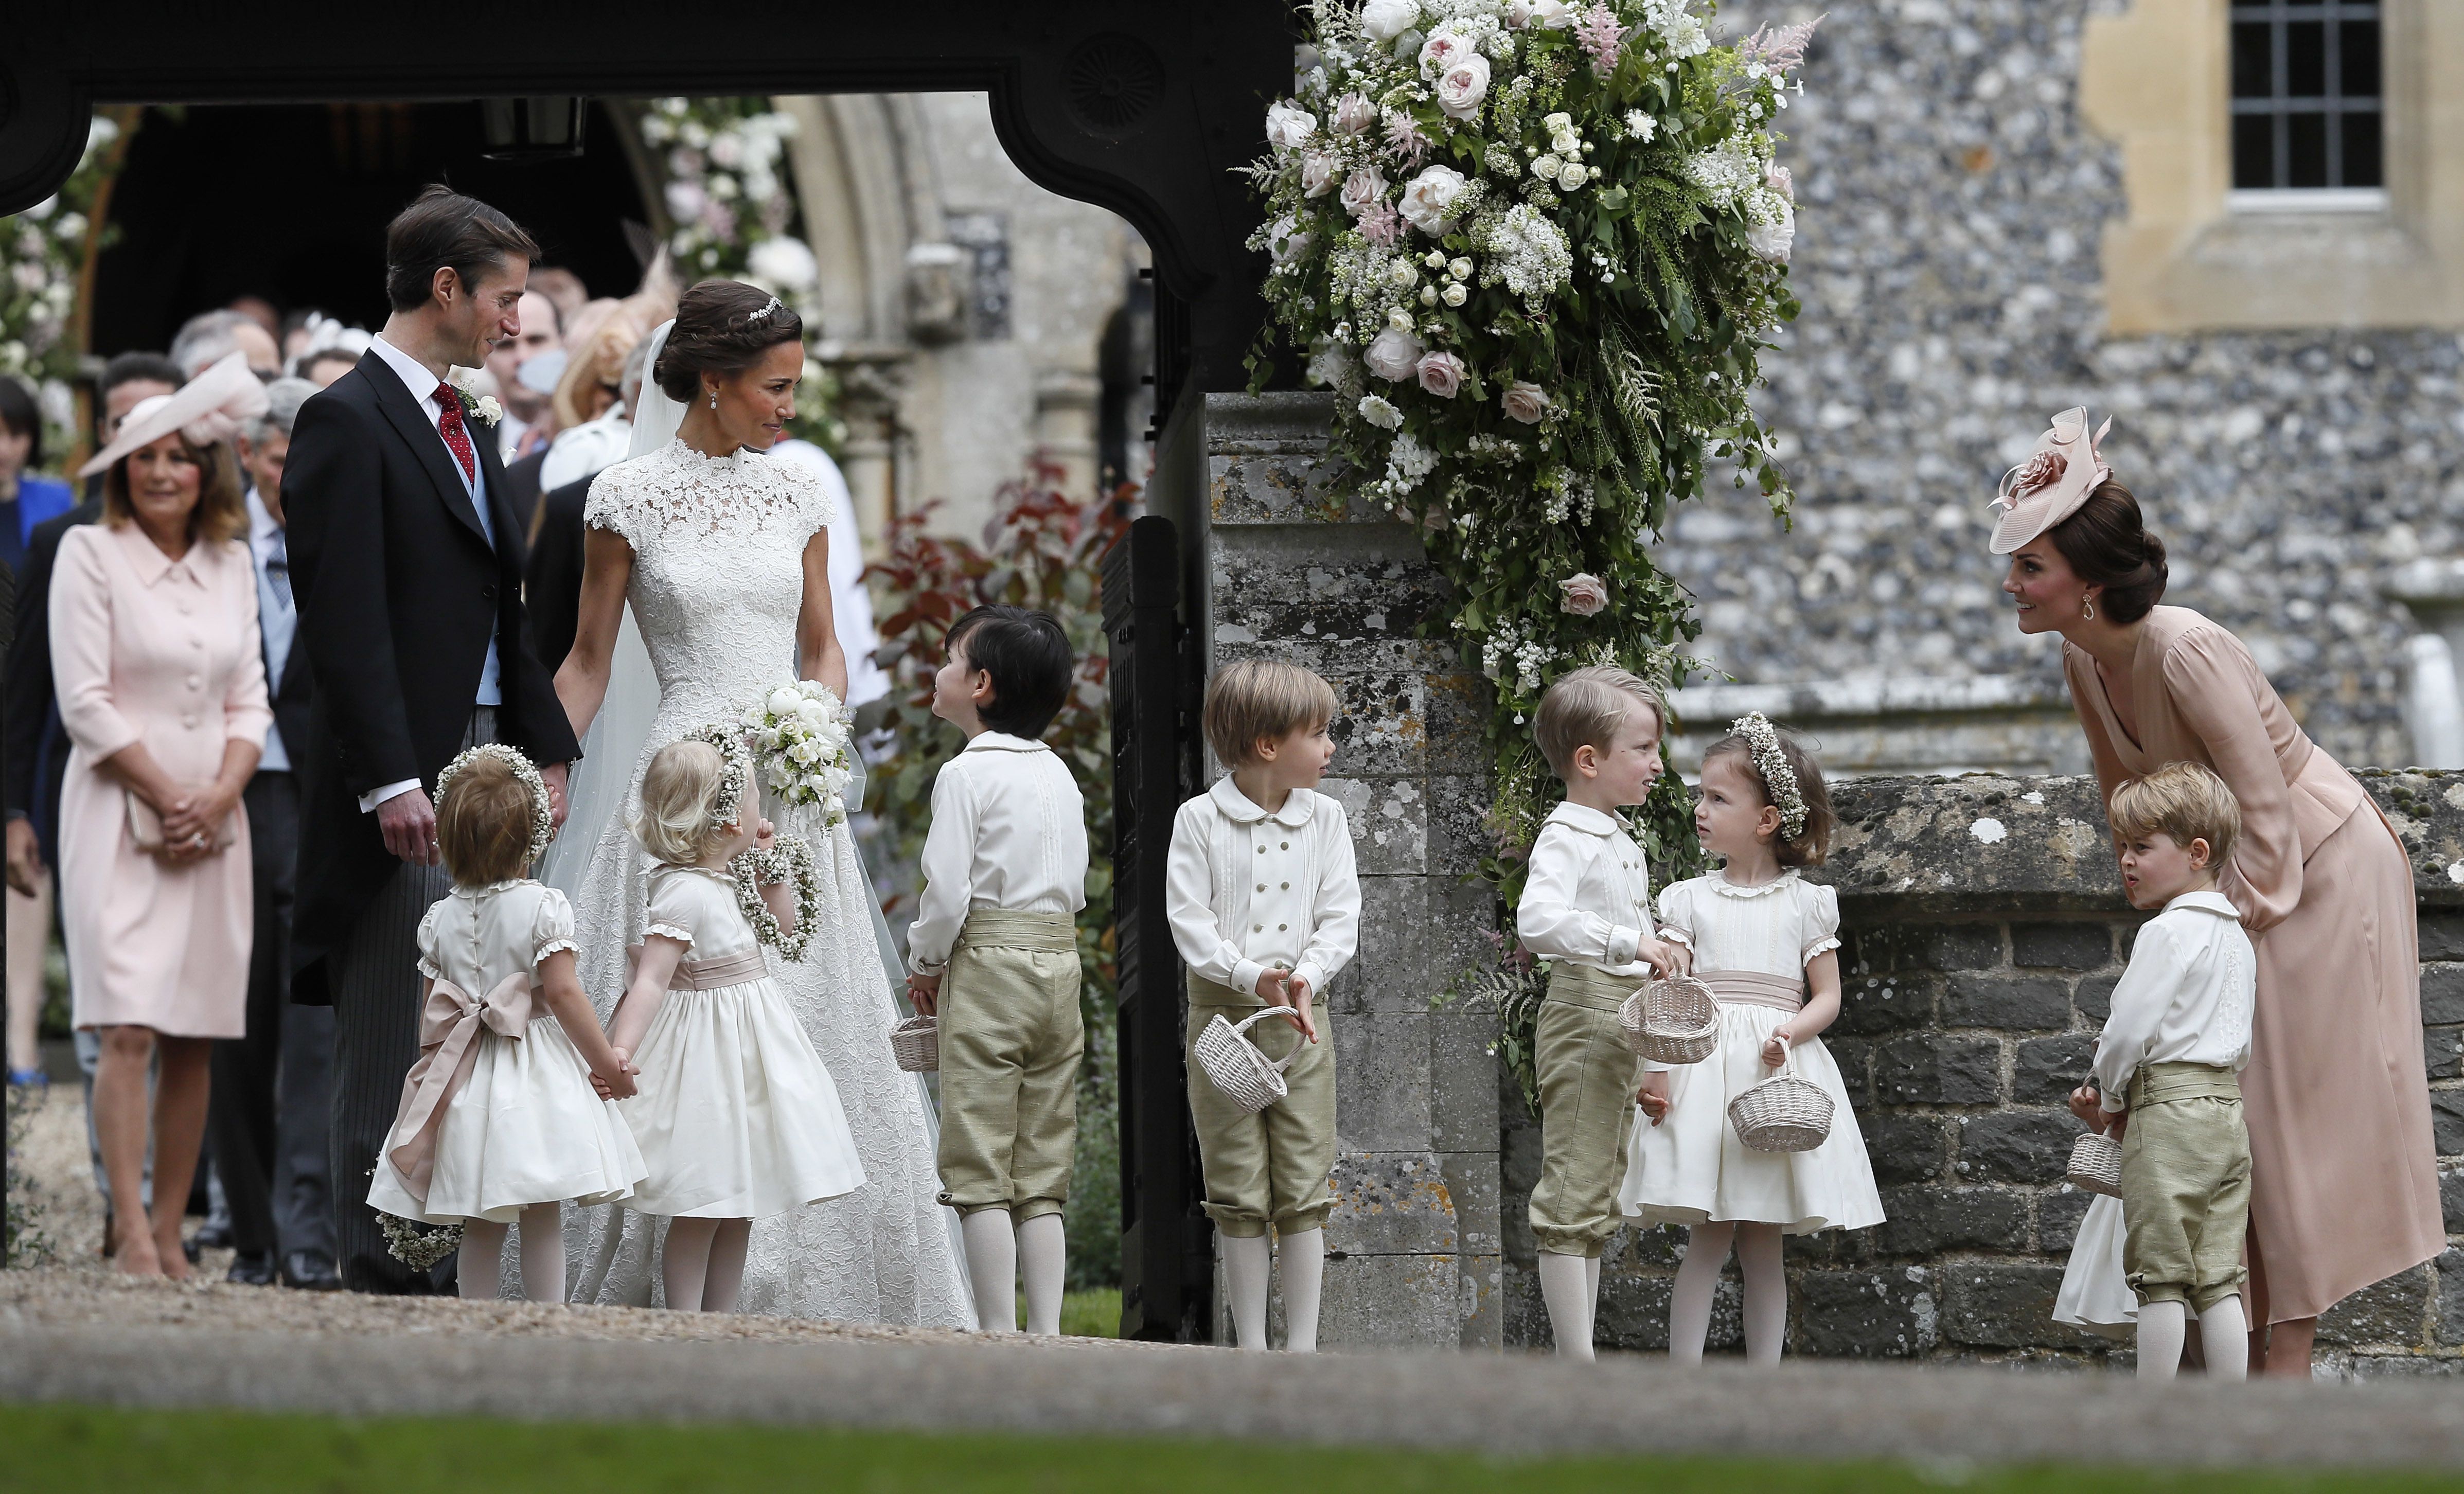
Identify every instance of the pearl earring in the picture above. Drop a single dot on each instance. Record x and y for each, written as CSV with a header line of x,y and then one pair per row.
x,y
2087,607
714,399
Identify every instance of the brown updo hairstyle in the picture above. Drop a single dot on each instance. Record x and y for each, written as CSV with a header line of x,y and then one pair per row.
x,y
2107,545
718,332
1812,842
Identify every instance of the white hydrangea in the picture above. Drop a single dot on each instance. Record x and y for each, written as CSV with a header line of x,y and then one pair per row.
x,y
1727,171
1524,249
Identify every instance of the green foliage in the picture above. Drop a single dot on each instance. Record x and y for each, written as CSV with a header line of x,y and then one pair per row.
x,y
1041,549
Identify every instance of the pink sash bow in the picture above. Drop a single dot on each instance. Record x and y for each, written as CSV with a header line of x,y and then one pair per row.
x,y
449,1033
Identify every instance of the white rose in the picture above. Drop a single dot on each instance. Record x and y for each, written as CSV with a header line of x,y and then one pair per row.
x,y
1546,168
1399,320
1454,294
1399,275
1330,365
1320,170
1393,354
1774,239
1353,114
1572,175
1384,20
1285,241
1518,15
1288,125
1566,143
490,411
1460,267
1444,50
1362,191
1559,121
1428,196
1462,86
1554,14
1380,412
1526,402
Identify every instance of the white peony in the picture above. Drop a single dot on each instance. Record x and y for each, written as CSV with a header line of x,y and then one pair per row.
x,y
1380,412
1394,355
1428,197
785,700
784,261
1462,86
1384,20
1288,125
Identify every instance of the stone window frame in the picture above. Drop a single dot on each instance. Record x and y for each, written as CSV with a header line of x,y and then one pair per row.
x,y
2190,255
2331,105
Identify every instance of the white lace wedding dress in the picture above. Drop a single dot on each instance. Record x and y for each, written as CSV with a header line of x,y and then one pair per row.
x,y
718,583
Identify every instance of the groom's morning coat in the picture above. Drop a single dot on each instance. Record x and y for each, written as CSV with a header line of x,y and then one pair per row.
x,y
399,593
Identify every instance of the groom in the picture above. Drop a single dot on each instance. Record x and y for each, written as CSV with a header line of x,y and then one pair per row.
x,y
406,565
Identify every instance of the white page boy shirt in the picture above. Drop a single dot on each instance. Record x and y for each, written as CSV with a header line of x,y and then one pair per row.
x,y
1010,831
1587,894
2185,998
1246,890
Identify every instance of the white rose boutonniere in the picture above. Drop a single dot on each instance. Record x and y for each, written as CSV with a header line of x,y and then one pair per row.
x,y
481,407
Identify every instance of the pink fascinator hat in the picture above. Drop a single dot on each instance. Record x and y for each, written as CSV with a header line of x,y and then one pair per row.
x,y
2050,485
210,407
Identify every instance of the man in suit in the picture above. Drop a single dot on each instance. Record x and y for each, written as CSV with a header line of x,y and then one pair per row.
x,y
269,1113
407,566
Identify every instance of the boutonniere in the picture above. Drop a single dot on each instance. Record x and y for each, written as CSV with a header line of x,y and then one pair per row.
x,y
482,408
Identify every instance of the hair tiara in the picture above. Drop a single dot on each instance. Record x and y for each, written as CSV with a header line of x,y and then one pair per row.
x,y
765,312
1762,745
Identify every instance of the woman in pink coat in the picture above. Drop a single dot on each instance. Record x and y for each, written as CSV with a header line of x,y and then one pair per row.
x,y
2344,1171
162,689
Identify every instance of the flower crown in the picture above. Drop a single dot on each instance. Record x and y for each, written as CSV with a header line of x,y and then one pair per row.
x,y
1762,743
773,308
543,820
735,775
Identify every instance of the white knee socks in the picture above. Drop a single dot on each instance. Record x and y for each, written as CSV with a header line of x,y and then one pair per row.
x,y
2223,1329
1043,1259
1758,1259
1697,1282
480,1263
2162,1327
1304,1254
544,1252
992,1268
1566,1286
1245,1262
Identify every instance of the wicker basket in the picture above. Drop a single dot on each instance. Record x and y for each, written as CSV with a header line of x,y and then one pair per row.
x,y
1248,1077
916,1042
2096,1165
1675,1020
1783,1114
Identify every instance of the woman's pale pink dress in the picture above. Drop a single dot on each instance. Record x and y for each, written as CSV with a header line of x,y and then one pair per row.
x,y
148,648
2345,1176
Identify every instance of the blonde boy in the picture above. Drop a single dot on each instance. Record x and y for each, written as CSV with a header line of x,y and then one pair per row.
x,y
1265,909
1587,907
2166,1077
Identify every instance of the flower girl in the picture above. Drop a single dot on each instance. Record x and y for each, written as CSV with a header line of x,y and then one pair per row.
x,y
737,1117
499,1118
1760,938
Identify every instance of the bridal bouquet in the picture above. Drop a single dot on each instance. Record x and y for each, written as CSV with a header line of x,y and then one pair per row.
x,y
800,736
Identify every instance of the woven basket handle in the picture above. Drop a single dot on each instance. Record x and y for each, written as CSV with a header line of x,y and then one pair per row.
x,y
1788,1061
1240,1029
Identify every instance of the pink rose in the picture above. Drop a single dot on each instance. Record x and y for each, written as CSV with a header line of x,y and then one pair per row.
x,y
2041,471
1392,353
1526,402
1462,86
1444,50
1442,374
1583,594
1353,114
1319,170
1362,191
1779,181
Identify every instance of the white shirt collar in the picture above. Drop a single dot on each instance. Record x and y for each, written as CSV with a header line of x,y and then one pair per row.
x,y
2208,902
1238,807
261,527
1002,742
1580,817
413,373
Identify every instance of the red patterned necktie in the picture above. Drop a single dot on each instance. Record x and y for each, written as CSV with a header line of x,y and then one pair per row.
x,y
458,436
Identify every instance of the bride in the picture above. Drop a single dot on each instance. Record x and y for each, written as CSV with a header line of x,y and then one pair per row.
x,y
723,554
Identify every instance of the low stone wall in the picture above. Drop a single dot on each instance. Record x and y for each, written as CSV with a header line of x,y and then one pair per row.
x,y
1985,934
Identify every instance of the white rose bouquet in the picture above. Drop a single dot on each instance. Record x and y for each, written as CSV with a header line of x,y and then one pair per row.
x,y
806,747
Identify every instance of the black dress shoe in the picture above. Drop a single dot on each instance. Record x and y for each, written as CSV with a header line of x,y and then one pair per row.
x,y
308,1272
253,1270
193,1248
211,1235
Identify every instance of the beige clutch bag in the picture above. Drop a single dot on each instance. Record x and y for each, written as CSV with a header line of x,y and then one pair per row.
x,y
145,825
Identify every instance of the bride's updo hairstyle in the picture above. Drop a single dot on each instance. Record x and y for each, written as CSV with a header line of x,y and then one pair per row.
x,y
722,327
2109,546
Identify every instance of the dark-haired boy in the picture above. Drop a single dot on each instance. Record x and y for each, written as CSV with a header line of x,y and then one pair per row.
x,y
995,954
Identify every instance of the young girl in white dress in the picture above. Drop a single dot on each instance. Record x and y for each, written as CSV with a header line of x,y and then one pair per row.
x,y
1762,938
500,1117
737,1117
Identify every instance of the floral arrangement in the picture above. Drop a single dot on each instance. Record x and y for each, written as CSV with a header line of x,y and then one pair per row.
x,y
1779,779
1536,248
543,817
49,247
481,407
415,1244
804,744
790,859
732,201
736,777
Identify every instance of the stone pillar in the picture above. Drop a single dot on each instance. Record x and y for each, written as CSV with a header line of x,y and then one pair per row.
x,y
1414,1247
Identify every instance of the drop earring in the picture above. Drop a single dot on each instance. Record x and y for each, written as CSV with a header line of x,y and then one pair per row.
x,y
2087,607
713,404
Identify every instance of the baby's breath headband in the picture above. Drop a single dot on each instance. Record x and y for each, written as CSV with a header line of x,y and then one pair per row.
x,y
733,778
1762,743
543,818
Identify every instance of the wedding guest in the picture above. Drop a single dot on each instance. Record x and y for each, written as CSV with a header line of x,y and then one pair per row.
x,y
26,501
552,575
326,364
259,310
562,287
162,689
271,1088
209,337
526,406
2345,1176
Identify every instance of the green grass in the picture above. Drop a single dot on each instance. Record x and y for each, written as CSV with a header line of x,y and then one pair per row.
x,y
70,1450
1093,1314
